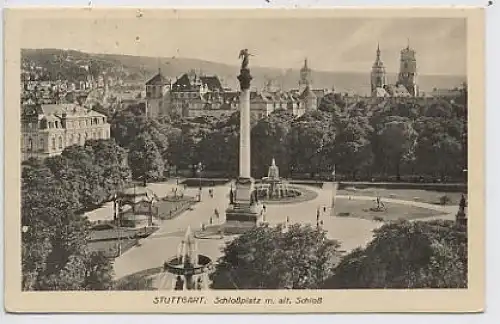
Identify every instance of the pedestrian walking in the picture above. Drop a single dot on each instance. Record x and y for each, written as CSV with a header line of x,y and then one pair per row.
x,y
211,220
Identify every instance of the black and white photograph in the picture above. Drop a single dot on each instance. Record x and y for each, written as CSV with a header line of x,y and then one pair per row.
x,y
225,153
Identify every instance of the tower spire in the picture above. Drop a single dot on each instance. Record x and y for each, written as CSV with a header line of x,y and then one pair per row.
x,y
305,63
159,65
378,50
408,42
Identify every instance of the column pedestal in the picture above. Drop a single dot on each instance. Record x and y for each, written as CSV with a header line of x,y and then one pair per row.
x,y
245,212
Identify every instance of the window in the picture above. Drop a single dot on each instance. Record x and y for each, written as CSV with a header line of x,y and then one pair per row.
x,y
30,144
53,143
57,124
405,65
42,144
87,122
100,134
79,139
60,142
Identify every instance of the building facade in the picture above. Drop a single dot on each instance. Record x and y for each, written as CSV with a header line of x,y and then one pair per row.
x,y
46,130
406,85
193,95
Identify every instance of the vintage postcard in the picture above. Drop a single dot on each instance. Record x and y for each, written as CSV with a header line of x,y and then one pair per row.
x,y
244,161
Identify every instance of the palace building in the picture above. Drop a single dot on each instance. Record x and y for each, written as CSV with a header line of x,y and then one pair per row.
x,y
46,130
193,95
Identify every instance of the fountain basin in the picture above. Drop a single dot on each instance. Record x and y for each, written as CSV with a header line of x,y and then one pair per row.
x,y
178,267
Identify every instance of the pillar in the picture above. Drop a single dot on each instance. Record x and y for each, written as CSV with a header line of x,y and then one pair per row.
x,y
245,133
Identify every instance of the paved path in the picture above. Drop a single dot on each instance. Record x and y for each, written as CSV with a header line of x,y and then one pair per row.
x,y
105,212
162,245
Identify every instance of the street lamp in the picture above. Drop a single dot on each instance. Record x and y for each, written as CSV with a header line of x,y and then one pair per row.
x,y
199,168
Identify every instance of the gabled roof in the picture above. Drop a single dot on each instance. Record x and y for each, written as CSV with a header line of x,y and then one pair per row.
x,y
212,82
307,93
158,79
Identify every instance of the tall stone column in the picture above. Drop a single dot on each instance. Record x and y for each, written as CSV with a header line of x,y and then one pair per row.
x,y
245,211
245,133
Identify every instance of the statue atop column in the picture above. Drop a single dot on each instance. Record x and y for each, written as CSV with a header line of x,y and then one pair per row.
x,y
244,76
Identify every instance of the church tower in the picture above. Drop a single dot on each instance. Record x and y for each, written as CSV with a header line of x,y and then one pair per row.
x,y
378,79
407,76
305,77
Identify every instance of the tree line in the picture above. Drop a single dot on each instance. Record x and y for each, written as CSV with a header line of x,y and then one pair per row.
x,y
55,193
401,255
415,139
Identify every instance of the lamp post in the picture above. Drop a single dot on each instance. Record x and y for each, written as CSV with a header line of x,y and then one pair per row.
x,y
199,168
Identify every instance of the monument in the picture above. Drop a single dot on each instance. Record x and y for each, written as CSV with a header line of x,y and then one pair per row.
x,y
275,189
273,186
461,216
245,210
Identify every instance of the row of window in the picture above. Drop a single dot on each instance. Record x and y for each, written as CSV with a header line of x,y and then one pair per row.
x,y
76,124
58,143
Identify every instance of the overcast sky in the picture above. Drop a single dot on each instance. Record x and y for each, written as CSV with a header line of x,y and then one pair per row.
x,y
330,44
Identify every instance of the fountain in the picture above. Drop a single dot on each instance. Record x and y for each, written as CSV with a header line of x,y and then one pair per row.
x,y
274,188
190,268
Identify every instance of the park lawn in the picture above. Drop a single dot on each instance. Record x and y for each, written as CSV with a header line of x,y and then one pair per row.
x,y
361,209
171,208
427,196
110,247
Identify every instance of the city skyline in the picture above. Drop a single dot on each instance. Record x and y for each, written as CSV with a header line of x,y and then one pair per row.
x,y
440,43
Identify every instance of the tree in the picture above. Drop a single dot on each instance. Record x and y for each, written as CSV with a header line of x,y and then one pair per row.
x,y
270,139
219,150
394,144
145,159
112,159
98,274
300,257
54,239
55,235
310,135
80,172
437,152
352,148
332,103
407,255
